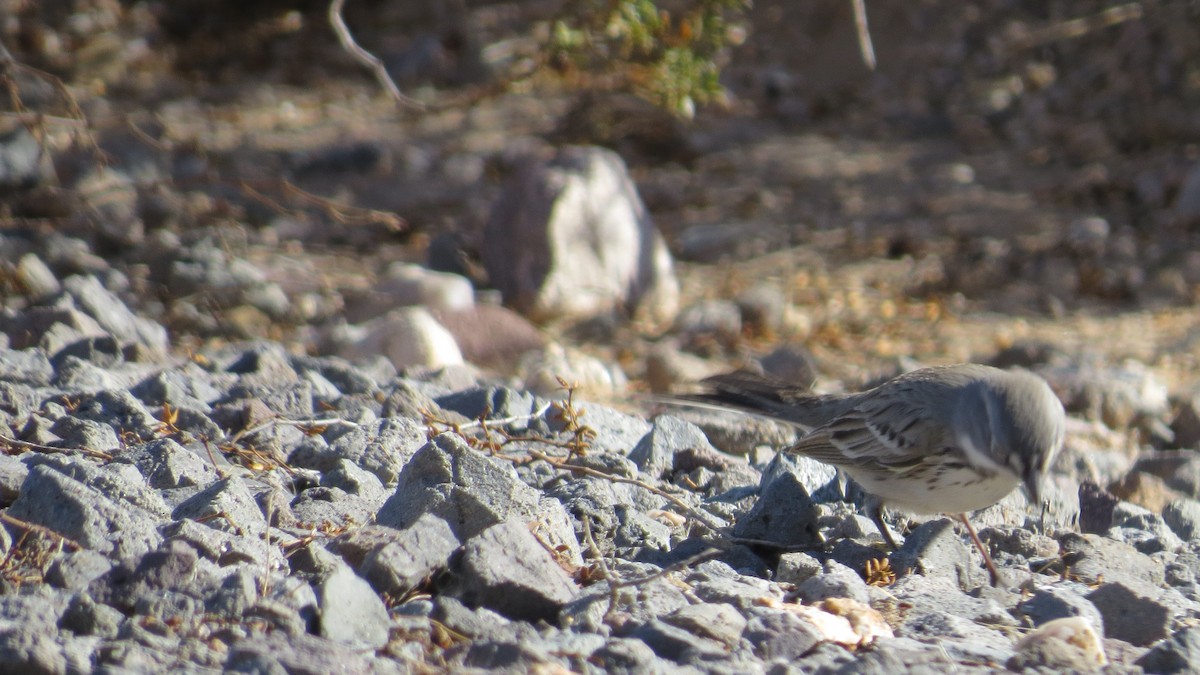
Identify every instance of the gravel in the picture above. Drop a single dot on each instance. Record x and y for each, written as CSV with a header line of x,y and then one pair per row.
x,y
208,512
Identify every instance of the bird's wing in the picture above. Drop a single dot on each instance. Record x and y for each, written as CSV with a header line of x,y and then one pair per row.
x,y
880,431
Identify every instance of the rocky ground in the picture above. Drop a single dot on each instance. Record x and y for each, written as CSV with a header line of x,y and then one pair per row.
x,y
292,380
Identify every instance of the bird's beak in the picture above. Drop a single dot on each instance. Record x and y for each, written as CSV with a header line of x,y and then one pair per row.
x,y
1033,485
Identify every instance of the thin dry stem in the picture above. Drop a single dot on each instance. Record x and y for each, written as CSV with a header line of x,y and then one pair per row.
x,y
367,59
864,33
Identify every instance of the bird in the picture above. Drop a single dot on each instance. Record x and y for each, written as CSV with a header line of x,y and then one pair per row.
x,y
947,439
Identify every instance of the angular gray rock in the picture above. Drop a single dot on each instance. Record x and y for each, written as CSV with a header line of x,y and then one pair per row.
x,y
655,453
55,499
467,489
506,569
1132,612
413,555
1178,654
351,612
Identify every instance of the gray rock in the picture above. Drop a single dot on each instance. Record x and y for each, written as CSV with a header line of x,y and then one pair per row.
x,y
476,623
555,528
109,204
1180,653
28,632
120,410
506,569
797,567
960,638
678,644
84,434
1180,470
1093,558
103,351
571,238
236,594
784,514
12,474
739,590
779,634
1187,202
112,314
1060,601
836,581
22,162
627,656
638,532
1115,395
318,505
164,582
764,313
934,548
468,490
347,476
50,328
84,514
667,365
274,652
166,464
348,379
489,402
351,612
740,434
382,448
258,364
1154,535
616,432
85,616
542,372
718,621
1132,612
819,480
17,403
651,600
75,570
221,546
75,374
411,557
28,366
1183,517
225,505
655,452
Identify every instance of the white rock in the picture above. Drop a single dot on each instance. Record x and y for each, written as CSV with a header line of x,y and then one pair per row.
x,y
571,238
590,376
408,284
408,337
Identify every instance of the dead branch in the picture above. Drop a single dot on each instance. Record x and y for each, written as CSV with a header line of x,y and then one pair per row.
x,y
50,449
864,33
367,59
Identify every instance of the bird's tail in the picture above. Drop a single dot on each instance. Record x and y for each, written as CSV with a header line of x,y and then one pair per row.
x,y
762,395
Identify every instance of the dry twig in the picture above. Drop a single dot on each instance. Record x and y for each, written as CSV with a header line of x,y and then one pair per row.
x,y
864,33
38,447
367,59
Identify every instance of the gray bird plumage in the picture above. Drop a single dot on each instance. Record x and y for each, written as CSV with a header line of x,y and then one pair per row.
x,y
949,439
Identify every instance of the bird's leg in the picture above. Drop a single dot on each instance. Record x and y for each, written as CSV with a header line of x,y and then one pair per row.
x,y
874,508
987,559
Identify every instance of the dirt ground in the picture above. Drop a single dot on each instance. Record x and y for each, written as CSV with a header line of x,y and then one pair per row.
x,y
993,183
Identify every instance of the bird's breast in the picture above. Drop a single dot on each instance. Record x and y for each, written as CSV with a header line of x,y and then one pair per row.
x,y
941,490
